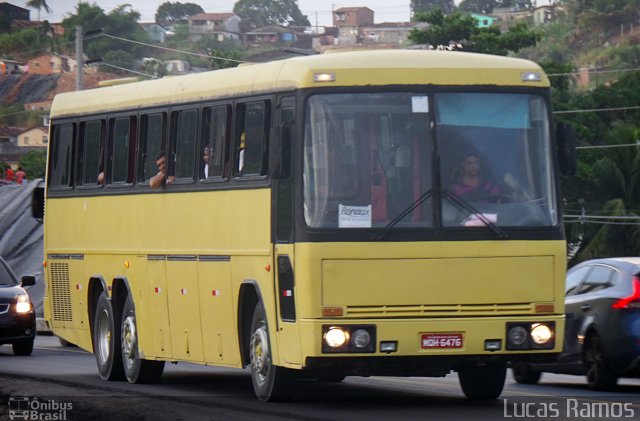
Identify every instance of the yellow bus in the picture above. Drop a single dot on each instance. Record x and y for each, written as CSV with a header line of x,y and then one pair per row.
x,y
350,214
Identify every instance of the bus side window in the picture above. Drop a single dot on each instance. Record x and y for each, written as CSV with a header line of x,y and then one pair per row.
x,y
184,136
91,153
251,139
215,142
61,156
122,135
151,143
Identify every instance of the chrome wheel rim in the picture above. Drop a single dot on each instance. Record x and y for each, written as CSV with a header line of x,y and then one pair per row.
x,y
260,354
104,337
129,344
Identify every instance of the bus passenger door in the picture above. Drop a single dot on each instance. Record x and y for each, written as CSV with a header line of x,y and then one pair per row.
x,y
184,307
158,310
282,226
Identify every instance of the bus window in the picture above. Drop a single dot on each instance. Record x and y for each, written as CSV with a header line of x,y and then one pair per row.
x,y
215,142
151,143
92,153
122,146
183,143
61,164
253,123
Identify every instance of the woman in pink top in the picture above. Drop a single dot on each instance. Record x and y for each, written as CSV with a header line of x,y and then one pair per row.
x,y
472,185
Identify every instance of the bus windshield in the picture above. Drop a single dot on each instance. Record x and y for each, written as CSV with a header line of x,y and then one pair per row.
x,y
370,160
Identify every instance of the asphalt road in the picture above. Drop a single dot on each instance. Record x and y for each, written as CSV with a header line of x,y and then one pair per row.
x,y
62,383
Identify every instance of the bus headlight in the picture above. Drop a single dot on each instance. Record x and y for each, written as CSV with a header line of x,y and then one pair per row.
x,y
361,338
348,339
517,335
335,337
540,333
525,336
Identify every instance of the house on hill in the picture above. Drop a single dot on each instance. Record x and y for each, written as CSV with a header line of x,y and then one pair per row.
x,y
224,25
12,12
36,137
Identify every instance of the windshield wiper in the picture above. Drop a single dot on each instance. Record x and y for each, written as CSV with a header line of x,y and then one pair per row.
x,y
463,204
380,234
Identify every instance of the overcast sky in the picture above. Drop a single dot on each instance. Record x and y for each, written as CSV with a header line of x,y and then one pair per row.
x,y
385,10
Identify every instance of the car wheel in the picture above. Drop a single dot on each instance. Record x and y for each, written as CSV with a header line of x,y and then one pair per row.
x,y
106,340
482,381
23,348
136,369
524,374
270,382
599,375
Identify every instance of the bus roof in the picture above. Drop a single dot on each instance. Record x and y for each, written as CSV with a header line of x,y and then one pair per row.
x,y
353,68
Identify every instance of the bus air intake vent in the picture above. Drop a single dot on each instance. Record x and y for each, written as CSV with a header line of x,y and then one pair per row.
x,y
440,310
60,292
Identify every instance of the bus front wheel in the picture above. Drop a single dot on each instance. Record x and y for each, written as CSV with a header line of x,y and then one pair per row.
x,y
136,369
106,340
482,381
270,382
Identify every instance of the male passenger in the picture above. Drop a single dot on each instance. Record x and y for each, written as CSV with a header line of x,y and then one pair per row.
x,y
159,179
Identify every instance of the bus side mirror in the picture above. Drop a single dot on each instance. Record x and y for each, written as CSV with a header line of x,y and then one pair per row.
x,y
37,203
566,144
281,151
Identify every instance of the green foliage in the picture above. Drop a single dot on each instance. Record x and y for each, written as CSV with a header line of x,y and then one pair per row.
x,y
170,13
477,6
34,163
121,22
460,29
15,116
119,58
271,12
425,6
614,190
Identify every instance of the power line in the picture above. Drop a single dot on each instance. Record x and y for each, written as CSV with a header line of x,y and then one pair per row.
x,y
172,49
594,110
633,69
102,63
608,146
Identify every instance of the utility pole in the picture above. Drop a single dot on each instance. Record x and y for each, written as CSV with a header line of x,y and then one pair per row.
x,y
79,58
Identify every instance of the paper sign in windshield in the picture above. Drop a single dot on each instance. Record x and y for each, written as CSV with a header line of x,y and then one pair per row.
x,y
354,216
420,104
474,220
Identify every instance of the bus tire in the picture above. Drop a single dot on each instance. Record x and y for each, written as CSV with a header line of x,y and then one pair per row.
x,y
523,373
106,340
482,382
270,382
136,369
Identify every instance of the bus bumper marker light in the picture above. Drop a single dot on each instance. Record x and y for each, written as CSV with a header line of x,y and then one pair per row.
x,y
388,346
492,345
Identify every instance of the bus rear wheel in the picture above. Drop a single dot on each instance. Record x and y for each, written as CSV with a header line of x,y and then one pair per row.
x,y
106,340
270,382
482,381
136,369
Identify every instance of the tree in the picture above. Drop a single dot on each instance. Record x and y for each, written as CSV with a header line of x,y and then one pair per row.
x,y
34,163
615,180
170,13
461,30
477,6
39,4
121,22
271,12
425,6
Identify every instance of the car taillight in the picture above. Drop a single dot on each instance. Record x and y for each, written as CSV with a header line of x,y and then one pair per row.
x,y
632,300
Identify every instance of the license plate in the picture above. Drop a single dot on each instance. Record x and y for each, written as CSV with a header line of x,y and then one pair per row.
x,y
441,340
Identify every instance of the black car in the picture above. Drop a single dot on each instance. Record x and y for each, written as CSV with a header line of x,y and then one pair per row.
x,y
602,331
17,315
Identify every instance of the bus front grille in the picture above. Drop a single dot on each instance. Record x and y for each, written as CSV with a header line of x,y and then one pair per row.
x,y
60,292
454,310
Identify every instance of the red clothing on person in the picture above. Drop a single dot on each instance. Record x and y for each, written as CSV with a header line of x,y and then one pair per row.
x,y
20,175
8,174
